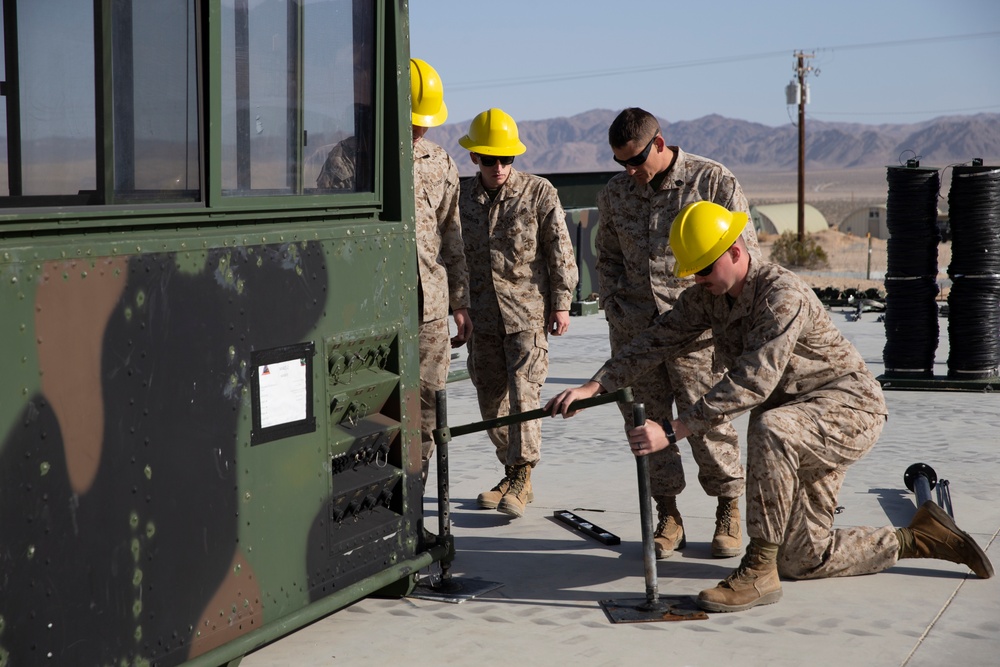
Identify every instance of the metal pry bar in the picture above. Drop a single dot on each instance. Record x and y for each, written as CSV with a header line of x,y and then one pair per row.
x,y
446,434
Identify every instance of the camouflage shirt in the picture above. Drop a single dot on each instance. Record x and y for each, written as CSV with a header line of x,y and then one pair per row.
x,y
520,257
776,339
444,275
635,265
338,169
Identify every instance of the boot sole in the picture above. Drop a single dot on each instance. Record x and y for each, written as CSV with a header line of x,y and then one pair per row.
x,y
662,552
727,553
985,570
488,505
769,598
510,511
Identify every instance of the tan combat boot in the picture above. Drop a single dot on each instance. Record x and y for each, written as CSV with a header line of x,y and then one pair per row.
x,y
934,534
728,539
669,534
753,583
518,493
488,500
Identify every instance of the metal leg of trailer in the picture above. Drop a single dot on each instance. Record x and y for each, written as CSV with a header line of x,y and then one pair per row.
x,y
446,587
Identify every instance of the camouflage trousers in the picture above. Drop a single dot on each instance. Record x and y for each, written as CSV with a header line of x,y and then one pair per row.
x,y
508,372
683,381
797,456
435,358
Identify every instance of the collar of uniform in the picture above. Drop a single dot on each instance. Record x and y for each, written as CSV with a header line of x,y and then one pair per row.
x,y
674,177
421,148
677,172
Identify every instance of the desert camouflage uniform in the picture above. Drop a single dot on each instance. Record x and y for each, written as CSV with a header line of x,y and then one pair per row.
x,y
338,169
635,267
521,268
815,409
443,274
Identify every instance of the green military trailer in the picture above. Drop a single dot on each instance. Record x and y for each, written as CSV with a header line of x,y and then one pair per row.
x,y
209,410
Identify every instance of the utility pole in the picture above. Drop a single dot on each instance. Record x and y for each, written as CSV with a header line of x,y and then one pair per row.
x,y
801,70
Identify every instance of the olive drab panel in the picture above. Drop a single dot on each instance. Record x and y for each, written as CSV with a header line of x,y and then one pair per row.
x,y
209,374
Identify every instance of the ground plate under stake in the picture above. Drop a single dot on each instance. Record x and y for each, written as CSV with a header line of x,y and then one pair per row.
x,y
641,610
456,590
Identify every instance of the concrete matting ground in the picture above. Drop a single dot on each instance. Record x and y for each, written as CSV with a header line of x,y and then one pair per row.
x,y
918,613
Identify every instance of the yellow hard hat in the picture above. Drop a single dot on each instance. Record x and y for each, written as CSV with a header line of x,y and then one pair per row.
x,y
426,95
493,132
701,233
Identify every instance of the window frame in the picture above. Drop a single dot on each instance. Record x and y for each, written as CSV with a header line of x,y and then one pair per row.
x,y
105,208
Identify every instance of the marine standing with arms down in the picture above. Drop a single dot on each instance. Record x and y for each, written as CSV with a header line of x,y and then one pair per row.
x,y
635,271
815,409
443,279
522,276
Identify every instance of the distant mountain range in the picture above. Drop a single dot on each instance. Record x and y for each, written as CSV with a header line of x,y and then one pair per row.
x,y
580,143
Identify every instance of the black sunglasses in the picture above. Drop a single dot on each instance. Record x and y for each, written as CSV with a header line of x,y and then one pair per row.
x,y
639,158
707,271
491,160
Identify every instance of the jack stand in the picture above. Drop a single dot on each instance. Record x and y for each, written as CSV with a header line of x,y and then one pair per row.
x,y
921,479
447,588
651,608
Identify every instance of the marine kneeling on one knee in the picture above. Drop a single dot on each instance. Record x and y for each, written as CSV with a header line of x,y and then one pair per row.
x,y
784,352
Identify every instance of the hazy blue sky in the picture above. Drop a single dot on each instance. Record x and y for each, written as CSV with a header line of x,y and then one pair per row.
x,y
879,61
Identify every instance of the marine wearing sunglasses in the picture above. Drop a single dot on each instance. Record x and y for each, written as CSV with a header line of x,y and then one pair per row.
x,y
491,160
639,158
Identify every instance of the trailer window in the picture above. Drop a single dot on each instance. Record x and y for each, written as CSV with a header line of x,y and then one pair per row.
x,y
155,108
297,89
49,94
72,138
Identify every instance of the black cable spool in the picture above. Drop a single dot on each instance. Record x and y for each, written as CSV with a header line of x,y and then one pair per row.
x,y
911,218
911,324
974,299
974,327
974,212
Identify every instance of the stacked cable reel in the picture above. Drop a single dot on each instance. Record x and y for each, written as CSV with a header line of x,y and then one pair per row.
x,y
911,318
974,299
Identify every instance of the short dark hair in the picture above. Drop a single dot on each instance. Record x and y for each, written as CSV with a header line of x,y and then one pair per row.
x,y
632,124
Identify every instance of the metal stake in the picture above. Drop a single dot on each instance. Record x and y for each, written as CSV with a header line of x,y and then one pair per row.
x,y
652,608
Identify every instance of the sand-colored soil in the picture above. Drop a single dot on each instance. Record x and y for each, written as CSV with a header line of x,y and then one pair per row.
x,y
853,261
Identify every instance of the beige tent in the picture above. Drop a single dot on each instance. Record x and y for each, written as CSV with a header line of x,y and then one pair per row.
x,y
865,221
779,218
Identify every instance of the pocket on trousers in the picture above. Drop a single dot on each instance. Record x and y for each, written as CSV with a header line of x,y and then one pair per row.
x,y
537,368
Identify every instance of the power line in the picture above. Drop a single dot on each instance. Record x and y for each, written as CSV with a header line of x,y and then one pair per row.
x,y
594,74
901,113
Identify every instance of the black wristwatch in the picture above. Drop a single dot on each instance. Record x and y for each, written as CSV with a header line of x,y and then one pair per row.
x,y
669,430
